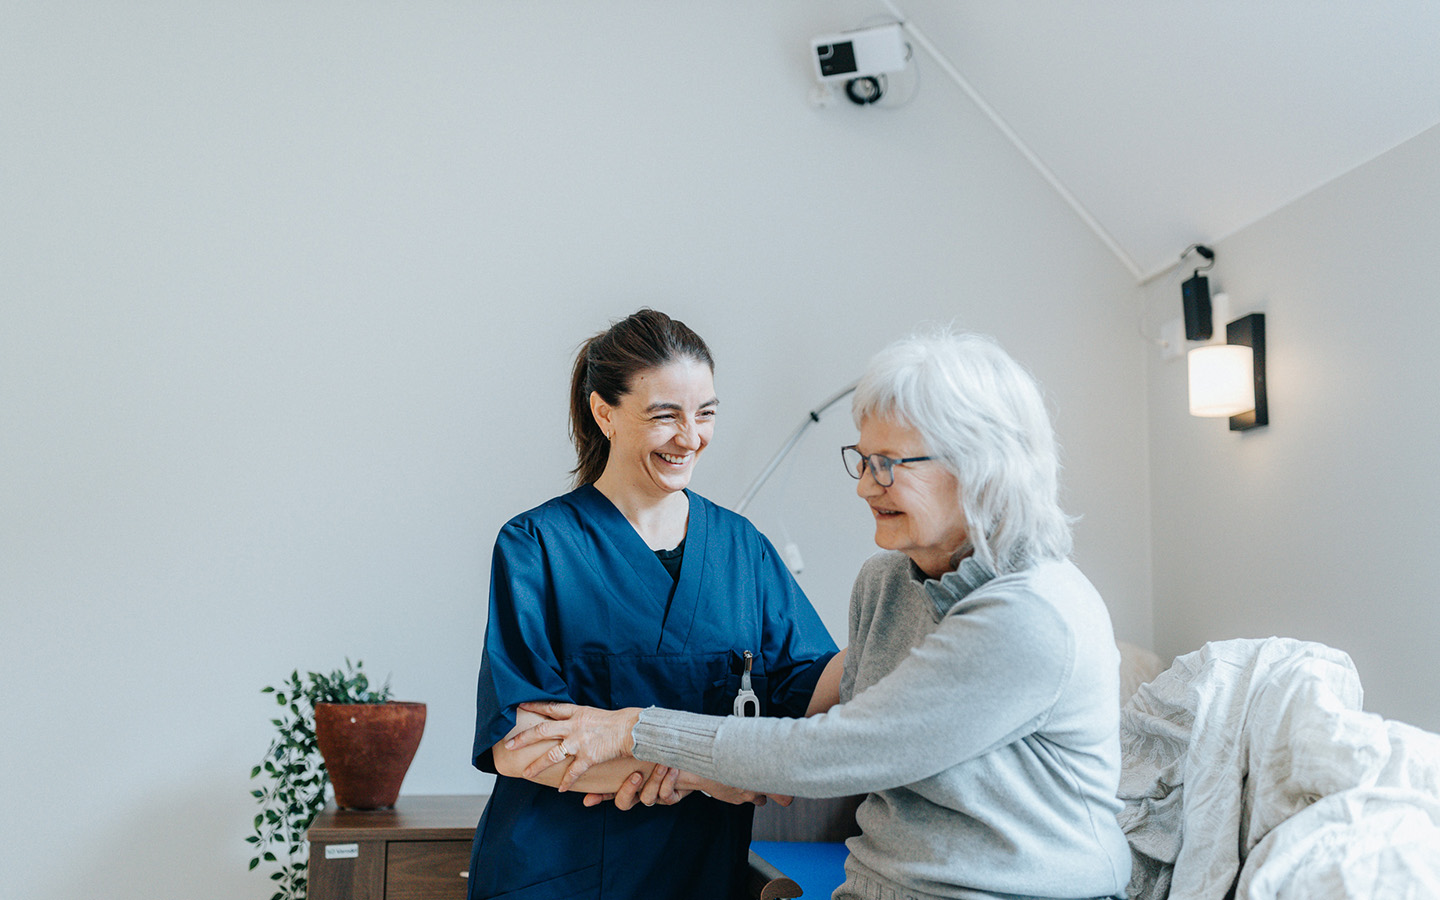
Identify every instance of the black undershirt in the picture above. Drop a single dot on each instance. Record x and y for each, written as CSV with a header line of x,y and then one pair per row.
x,y
671,560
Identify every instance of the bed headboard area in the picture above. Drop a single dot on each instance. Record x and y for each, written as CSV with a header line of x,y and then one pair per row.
x,y
1137,666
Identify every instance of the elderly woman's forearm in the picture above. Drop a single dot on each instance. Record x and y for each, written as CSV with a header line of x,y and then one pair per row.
x,y
962,692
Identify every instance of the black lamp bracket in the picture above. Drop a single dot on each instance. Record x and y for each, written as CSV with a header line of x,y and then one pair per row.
x,y
1201,250
1195,292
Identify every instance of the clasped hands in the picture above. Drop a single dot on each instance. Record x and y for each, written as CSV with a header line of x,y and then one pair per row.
x,y
589,737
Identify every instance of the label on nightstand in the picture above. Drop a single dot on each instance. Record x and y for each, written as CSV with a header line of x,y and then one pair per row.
x,y
342,851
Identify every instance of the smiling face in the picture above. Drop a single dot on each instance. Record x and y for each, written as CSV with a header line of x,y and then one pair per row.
x,y
920,513
658,430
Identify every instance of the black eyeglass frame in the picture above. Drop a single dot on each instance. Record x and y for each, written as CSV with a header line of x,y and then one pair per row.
x,y
886,466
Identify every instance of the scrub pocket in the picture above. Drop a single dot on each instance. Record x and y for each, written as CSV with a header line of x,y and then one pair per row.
x,y
724,687
670,680
698,682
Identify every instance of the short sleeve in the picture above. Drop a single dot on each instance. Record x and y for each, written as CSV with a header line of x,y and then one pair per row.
x,y
518,662
797,644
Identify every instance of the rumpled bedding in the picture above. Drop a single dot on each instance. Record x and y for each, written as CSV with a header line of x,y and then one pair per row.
x,y
1251,761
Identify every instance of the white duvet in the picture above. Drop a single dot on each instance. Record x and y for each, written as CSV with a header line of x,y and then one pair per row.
x,y
1251,760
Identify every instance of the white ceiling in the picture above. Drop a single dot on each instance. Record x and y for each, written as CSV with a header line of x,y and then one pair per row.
x,y
1172,123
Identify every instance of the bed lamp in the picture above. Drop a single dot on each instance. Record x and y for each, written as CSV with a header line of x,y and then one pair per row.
x,y
1221,380
1229,379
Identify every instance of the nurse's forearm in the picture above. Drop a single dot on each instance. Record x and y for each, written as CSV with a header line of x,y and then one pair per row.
x,y
605,778
827,689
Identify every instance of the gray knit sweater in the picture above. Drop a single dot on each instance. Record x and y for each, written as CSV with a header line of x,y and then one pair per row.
x,y
979,715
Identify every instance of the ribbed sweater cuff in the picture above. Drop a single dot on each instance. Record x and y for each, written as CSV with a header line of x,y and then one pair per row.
x,y
680,739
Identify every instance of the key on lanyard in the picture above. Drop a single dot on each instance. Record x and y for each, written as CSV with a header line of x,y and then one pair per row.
x,y
746,703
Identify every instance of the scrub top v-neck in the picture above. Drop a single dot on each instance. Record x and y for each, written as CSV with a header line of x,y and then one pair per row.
x,y
671,559
583,611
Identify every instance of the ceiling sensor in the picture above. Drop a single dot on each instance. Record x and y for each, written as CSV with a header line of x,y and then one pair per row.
x,y
860,58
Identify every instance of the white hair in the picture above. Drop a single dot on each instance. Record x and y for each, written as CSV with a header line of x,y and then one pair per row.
x,y
981,415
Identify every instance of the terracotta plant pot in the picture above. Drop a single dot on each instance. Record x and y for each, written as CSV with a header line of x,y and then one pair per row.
x,y
368,748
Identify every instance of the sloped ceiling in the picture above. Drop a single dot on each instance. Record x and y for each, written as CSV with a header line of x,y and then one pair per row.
x,y
1172,123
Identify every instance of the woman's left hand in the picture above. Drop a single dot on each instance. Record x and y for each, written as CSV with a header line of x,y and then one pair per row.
x,y
591,736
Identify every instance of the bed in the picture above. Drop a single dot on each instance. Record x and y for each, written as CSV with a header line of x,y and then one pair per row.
x,y
1250,764
1249,770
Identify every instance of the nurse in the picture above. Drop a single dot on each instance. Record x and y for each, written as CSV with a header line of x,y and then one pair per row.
x,y
633,591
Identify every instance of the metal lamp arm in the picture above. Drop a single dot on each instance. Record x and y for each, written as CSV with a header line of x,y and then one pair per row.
x,y
779,457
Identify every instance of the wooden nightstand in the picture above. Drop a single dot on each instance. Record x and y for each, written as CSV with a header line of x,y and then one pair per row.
x,y
420,850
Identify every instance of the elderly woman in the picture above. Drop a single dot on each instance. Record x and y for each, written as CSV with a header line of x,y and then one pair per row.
x,y
977,702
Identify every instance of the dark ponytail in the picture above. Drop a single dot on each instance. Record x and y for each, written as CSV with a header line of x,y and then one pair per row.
x,y
607,365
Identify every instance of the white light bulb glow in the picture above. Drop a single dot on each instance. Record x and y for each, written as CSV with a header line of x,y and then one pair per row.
x,y
1222,380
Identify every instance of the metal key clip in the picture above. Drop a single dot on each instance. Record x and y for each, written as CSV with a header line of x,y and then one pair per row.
x,y
746,703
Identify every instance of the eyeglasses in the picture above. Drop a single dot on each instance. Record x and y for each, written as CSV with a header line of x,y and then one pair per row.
x,y
881,467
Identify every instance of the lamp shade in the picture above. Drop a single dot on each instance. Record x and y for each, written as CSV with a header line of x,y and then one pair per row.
x,y
1221,380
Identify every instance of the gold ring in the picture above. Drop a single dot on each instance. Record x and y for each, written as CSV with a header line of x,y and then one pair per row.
x,y
564,750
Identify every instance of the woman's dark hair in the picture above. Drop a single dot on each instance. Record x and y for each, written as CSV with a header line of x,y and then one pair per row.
x,y
607,364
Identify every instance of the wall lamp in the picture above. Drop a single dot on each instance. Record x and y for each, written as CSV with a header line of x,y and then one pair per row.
x,y
1226,380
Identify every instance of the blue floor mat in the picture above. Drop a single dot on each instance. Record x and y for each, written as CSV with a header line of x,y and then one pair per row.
x,y
818,868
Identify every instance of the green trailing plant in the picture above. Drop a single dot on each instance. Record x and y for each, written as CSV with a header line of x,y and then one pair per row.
x,y
294,777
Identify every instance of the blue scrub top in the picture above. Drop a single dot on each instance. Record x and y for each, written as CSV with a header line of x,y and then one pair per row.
x,y
582,611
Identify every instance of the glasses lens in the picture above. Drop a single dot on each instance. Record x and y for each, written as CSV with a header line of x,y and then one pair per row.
x,y
882,467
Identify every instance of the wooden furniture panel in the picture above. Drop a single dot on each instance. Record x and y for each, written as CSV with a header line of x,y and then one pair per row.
x,y
361,877
417,851
426,870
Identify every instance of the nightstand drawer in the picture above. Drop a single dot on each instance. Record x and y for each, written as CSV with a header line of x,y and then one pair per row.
x,y
415,851
426,870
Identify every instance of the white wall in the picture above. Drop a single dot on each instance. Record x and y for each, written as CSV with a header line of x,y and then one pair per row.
x,y
287,299
1322,526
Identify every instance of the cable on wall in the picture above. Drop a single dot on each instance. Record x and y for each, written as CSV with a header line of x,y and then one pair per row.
x,y
1035,161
